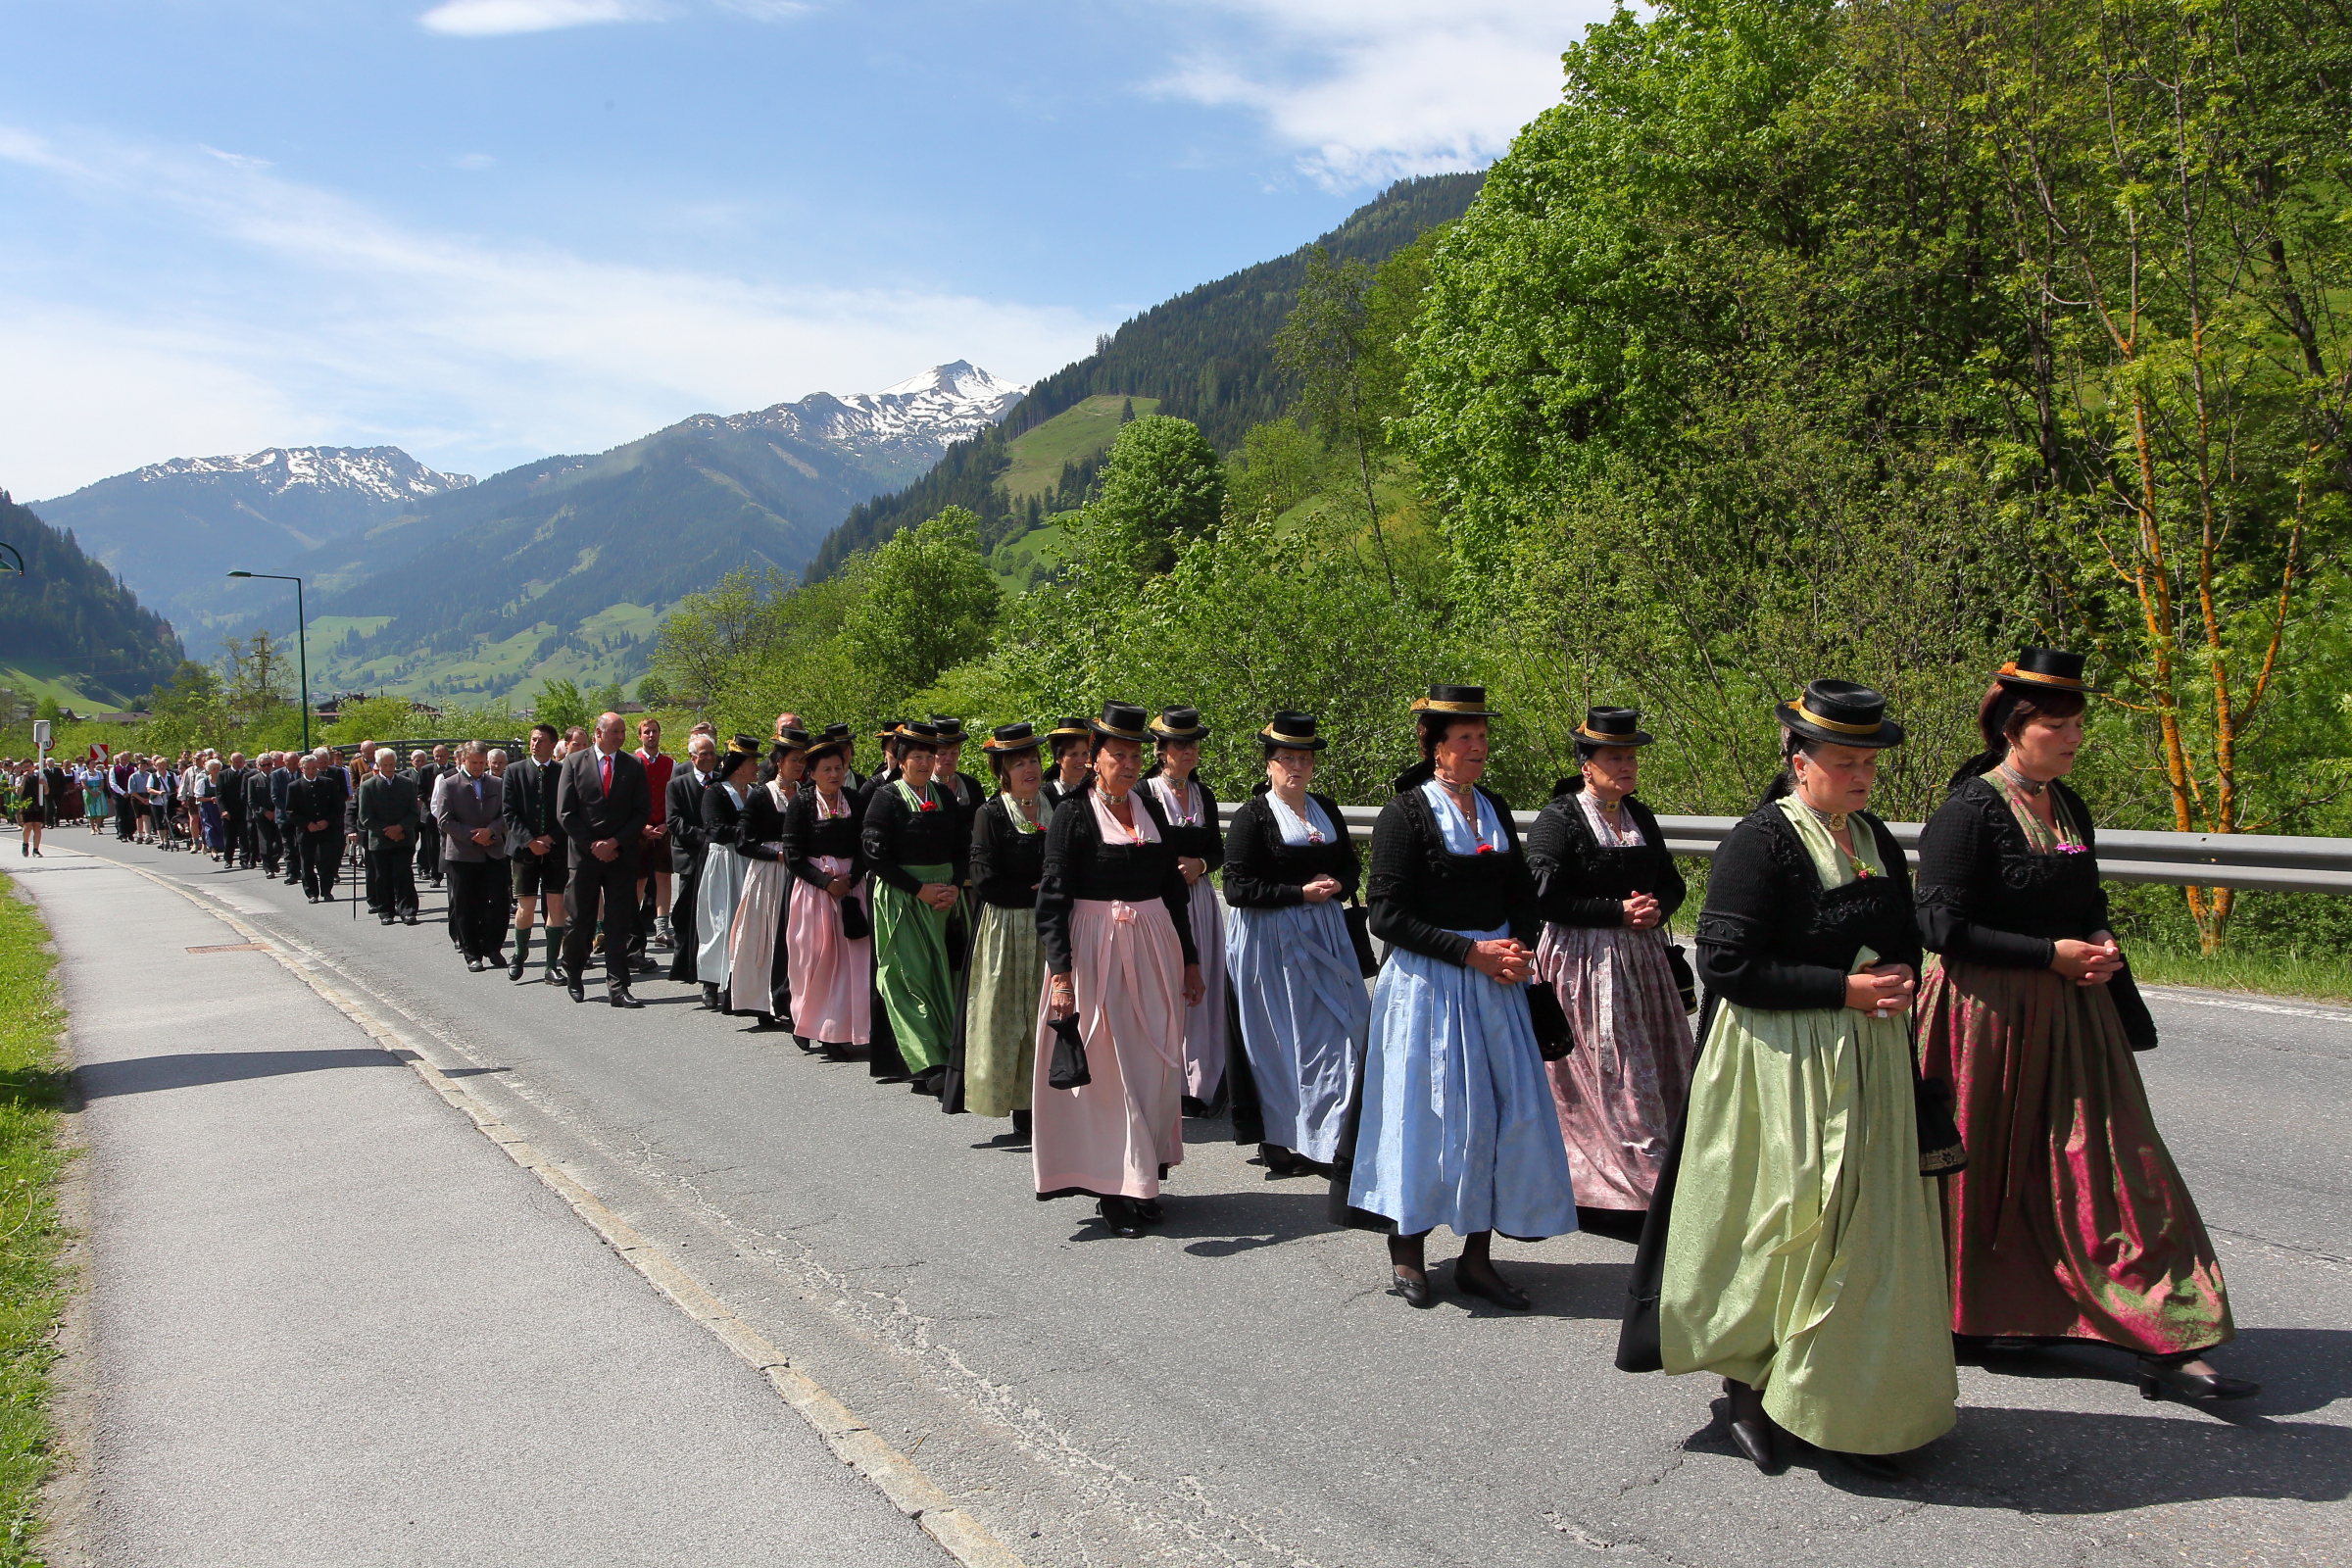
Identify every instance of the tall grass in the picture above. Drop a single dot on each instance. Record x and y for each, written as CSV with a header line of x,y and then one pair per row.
x,y
33,1097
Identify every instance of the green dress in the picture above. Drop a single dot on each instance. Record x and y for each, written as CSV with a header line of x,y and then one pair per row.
x,y
911,973
1805,1255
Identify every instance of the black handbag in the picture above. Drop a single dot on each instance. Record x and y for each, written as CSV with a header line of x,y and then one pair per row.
x,y
1555,1036
1685,981
1068,1069
958,940
1940,1151
855,924
1359,937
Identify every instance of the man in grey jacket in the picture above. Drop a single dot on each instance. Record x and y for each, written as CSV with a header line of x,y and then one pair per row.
x,y
469,807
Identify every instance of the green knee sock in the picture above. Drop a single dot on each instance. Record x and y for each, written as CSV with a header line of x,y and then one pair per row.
x,y
555,947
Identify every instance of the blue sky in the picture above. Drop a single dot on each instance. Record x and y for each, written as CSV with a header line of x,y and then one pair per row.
x,y
485,230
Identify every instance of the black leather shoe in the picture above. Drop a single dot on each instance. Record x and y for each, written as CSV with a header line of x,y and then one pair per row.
x,y
407,919
768,1024
1414,1288
577,991
515,967
1149,1212
477,965
1119,1215
622,999
1752,1429
2155,1378
383,919
1490,1286
930,1083
552,977
711,997
1876,1466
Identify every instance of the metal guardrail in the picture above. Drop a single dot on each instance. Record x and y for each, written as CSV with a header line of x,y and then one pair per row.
x,y
2265,862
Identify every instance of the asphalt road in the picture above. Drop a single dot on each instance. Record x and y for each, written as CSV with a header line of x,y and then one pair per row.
x,y
1237,1389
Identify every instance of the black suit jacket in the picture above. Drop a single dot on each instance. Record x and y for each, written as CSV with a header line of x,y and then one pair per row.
x,y
588,813
682,804
312,799
528,805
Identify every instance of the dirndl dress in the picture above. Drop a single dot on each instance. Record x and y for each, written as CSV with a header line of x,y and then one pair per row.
x,y
832,989
723,873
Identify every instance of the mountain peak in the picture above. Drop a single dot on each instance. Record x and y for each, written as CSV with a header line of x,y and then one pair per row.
x,y
904,427
958,378
375,473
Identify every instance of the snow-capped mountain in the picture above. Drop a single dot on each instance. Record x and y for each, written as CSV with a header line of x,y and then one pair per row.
x,y
904,429
379,473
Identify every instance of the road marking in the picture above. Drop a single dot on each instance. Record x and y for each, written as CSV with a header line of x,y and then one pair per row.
x,y
2238,1004
897,1478
234,947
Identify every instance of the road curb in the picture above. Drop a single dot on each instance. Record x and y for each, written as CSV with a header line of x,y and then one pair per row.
x,y
897,1478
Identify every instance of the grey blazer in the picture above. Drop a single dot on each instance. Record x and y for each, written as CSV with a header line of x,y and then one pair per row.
x,y
460,815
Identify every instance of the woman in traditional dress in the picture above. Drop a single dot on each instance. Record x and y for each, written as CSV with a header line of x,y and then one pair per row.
x,y
1008,963
1456,1126
1796,1248
1191,810
1113,914
758,979
832,984
1607,886
723,867
1070,745
1299,1006
32,814
2071,1221
917,848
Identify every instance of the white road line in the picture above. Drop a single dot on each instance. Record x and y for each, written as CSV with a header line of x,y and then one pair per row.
x,y
2206,998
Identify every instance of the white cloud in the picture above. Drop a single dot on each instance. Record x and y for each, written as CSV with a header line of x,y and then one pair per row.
x,y
480,18
272,313
1367,90
471,161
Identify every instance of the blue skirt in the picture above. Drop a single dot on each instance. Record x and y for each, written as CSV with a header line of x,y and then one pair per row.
x,y
1303,1011
1458,1128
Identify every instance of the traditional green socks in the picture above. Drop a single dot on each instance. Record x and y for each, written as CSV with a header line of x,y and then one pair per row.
x,y
555,947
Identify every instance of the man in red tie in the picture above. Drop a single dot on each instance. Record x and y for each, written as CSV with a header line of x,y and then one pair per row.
x,y
602,805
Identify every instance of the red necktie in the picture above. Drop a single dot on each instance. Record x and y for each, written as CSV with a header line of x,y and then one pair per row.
x,y
608,762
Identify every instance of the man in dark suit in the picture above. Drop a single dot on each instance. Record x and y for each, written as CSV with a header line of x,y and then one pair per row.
x,y
535,851
428,773
470,805
603,803
388,814
353,773
313,820
235,844
683,803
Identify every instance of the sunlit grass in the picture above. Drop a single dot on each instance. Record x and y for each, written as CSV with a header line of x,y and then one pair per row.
x,y
2272,974
32,1091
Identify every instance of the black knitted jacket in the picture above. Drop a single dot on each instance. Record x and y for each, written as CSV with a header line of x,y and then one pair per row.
x,y
1581,881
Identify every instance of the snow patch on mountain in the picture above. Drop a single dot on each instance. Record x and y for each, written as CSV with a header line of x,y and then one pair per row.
x,y
379,473
932,409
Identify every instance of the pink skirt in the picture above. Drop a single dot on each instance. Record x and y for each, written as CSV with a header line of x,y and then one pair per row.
x,y
1620,1090
1112,1137
752,939
832,993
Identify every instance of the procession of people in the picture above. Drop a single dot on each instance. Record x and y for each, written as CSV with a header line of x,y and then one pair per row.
x,y
1905,1124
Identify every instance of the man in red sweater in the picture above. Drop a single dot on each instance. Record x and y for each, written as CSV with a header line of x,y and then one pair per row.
x,y
652,852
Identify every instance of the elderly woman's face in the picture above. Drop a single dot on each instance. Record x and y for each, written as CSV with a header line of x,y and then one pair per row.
x,y
828,772
1461,753
1289,769
1613,770
1178,758
917,764
1117,765
1023,773
1837,778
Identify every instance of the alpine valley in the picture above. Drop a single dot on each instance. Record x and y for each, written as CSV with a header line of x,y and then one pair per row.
x,y
430,583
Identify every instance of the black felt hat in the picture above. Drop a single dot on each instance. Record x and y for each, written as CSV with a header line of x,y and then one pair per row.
x,y
890,730
1613,726
1006,739
1121,721
1454,702
830,745
1292,732
835,732
1179,726
950,730
1068,729
918,732
2046,670
746,746
793,738
1839,712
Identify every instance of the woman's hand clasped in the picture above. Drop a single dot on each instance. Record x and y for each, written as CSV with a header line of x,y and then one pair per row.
x,y
1193,867
1641,912
1502,958
1321,889
940,896
1883,989
838,887
2088,963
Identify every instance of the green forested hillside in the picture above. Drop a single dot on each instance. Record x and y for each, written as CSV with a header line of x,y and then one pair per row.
x,y
72,622
1206,356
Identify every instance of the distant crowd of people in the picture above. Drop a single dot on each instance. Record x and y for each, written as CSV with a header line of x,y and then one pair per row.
x,y
1907,1122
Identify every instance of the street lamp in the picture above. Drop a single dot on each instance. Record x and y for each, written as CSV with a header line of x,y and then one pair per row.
x,y
10,561
302,643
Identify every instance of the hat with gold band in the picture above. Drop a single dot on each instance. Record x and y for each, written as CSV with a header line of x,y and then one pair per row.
x,y
1179,726
746,746
1292,732
2046,670
888,730
1068,729
1006,739
1454,702
1121,721
950,730
1840,713
918,733
1612,727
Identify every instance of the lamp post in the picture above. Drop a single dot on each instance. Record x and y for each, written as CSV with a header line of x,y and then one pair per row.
x,y
10,561
302,643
